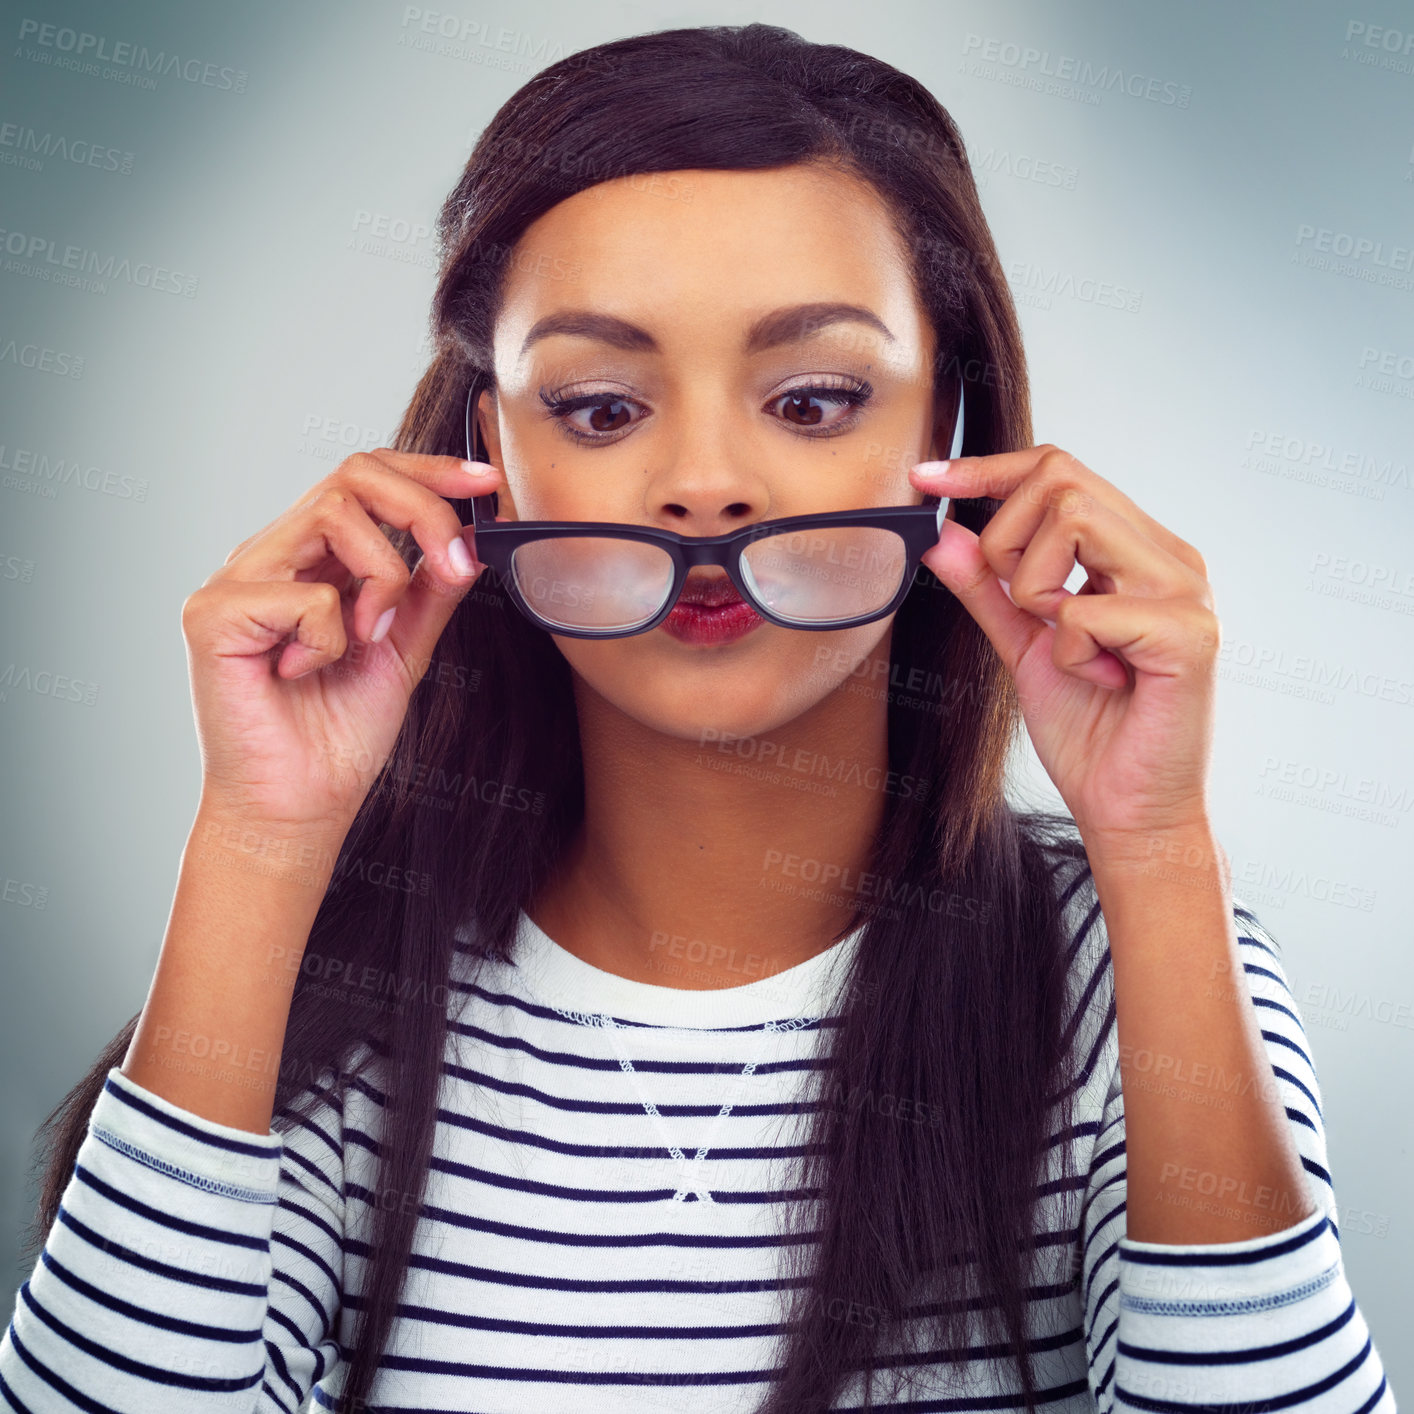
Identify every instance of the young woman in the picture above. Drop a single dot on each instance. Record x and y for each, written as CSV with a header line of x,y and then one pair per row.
x,y
577,997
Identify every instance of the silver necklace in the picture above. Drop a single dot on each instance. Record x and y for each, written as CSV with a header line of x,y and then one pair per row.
x,y
691,1168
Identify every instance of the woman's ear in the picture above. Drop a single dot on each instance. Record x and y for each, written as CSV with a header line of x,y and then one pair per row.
x,y
488,428
945,421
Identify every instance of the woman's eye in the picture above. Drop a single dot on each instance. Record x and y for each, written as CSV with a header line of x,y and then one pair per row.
x,y
607,416
590,417
801,406
596,417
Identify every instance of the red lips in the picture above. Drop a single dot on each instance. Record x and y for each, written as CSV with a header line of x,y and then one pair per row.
x,y
709,593
710,612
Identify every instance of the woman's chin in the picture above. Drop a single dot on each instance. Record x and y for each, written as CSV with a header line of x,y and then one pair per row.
x,y
749,687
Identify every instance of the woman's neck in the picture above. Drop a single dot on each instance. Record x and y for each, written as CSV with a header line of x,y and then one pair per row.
x,y
716,862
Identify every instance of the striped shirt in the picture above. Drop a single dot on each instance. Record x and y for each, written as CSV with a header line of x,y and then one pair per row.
x,y
600,1226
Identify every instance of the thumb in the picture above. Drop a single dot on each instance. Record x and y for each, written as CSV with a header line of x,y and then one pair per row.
x,y
425,609
958,561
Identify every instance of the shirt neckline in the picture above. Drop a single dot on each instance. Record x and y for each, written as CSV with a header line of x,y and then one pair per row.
x,y
559,978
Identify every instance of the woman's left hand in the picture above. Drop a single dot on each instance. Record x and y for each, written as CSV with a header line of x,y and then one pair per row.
x,y
1118,695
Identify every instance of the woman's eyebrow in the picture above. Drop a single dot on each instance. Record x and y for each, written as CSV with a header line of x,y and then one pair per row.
x,y
789,324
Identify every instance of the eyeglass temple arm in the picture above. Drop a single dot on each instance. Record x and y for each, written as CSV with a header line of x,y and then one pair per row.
x,y
481,508
953,452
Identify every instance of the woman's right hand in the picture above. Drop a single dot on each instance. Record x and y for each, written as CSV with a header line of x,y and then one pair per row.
x,y
293,739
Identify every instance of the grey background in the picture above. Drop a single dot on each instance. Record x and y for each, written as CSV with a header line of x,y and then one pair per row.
x,y
193,421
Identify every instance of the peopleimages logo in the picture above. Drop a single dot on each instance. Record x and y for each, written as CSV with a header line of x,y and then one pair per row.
x,y
82,52
456,37
41,474
24,147
40,257
1302,675
1303,458
1357,256
38,356
1386,371
1021,166
1029,67
1033,284
1379,46
1356,246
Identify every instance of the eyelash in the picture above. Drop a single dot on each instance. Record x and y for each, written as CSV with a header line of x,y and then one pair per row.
x,y
853,393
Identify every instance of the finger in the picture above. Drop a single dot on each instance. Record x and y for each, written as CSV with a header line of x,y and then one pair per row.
x,y
1039,476
383,480
997,474
449,476
241,547
1168,638
422,613
958,561
331,533
1037,554
235,619
387,480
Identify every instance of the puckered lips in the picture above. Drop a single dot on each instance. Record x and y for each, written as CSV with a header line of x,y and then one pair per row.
x,y
709,593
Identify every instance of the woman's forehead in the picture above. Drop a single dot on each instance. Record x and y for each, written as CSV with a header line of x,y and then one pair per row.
x,y
697,250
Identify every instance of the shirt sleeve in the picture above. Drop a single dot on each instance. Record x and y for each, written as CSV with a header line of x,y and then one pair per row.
x,y
1268,1323
192,1267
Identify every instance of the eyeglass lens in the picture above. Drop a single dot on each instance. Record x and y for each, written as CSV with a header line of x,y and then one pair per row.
x,y
811,576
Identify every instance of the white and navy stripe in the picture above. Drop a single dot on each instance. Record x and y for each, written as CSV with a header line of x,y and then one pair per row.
x,y
196,1267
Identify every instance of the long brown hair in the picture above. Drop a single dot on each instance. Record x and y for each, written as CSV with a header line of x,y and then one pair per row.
x,y
963,1009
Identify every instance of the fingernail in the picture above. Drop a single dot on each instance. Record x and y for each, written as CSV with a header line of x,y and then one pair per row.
x,y
932,469
459,555
385,622
478,468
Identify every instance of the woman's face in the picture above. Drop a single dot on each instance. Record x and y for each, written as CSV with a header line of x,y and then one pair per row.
x,y
682,302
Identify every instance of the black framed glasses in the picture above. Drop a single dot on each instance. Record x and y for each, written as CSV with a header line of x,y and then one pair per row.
x,y
607,579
